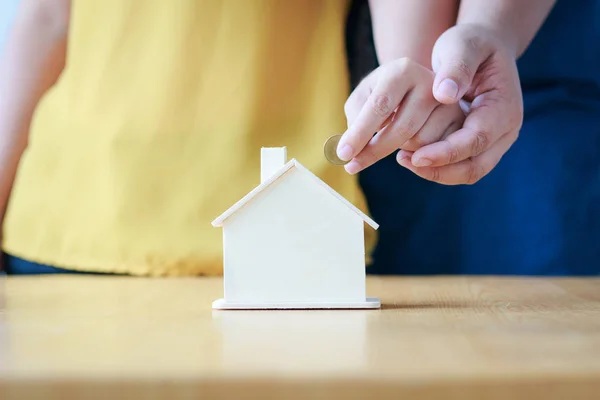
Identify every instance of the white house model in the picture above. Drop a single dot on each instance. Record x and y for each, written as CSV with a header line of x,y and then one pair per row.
x,y
293,242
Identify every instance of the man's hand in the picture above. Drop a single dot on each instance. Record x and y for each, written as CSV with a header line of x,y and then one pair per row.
x,y
472,64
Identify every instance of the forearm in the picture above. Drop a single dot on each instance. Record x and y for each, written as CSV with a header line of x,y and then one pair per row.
x,y
31,62
515,21
409,28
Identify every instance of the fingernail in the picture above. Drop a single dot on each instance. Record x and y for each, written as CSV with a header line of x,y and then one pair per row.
x,y
403,159
477,101
352,167
448,88
422,162
345,153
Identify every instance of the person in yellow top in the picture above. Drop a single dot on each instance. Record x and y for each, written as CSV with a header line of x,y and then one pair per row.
x,y
126,126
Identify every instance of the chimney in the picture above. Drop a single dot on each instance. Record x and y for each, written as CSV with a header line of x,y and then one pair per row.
x,y
271,160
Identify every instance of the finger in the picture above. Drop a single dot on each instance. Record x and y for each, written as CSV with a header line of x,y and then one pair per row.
x,y
358,98
456,57
376,149
443,120
403,157
387,94
387,121
483,126
467,171
411,115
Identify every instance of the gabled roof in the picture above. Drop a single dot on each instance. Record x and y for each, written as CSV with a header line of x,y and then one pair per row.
x,y
291,164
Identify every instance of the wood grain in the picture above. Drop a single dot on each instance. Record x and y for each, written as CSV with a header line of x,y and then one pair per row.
x,y
67,337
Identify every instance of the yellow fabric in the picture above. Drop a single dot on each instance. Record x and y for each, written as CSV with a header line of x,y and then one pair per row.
x,y
155,128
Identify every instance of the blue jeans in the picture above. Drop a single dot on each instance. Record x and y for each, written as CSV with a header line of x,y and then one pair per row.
x,y
536,213
19,266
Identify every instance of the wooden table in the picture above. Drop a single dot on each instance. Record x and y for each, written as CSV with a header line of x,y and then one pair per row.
x,y
66,337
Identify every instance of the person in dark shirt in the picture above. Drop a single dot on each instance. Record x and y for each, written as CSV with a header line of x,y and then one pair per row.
x,y
537,212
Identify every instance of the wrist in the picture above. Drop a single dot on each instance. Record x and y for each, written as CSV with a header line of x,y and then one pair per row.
x,y
495,21
514,22
415,56
490,37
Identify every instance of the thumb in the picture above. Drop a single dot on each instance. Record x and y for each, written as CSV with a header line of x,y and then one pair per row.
x,y
457,55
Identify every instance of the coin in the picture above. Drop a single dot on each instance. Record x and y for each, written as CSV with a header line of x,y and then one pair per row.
x,y
330,150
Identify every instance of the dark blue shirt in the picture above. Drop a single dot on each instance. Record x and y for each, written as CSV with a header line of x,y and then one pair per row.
x,y
538,211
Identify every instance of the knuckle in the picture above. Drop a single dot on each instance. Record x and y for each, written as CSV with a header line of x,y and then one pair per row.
x,y
401,67
452,152
435,175
407,127
381,104
403,64
407,67
479,142
462,69
383,70
476,172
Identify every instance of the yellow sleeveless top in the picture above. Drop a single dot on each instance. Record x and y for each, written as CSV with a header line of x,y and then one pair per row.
x,y
155,128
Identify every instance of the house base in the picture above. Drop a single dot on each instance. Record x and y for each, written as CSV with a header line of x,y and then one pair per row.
x,y
221,304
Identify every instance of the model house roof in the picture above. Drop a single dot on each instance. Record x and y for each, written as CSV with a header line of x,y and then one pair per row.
x,y
277,175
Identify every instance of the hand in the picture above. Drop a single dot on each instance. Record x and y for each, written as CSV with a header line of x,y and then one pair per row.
x,y
470,63
395,101
443,120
